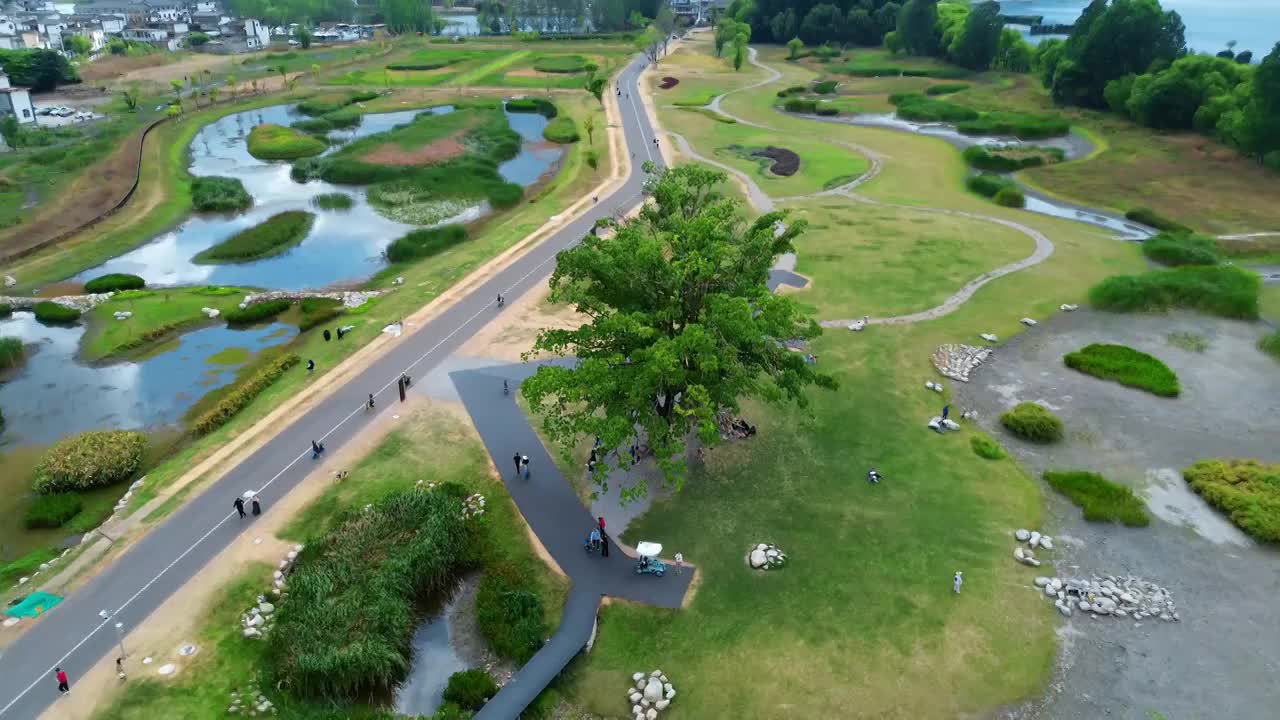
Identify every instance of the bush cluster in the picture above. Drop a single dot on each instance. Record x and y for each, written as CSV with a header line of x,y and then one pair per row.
x,y
1151,218
1010,197
1181,248
53,510
275,142
825,87
983,158
317,311
945,88
1246,490
788,92
257,312
326,104
333,201
545,108
435,64
988,185
1216,289
1033,422
942,73
243,393
985,447
509,613
89,460
52,313
114,282
360,580
1270,344
561,130
1126,366
1099,498
12,352
917,107
425,243
561,64
273,236
219,194
801,105
1019,125
470,689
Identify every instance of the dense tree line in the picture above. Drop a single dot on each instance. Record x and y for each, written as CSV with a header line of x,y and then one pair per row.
x,y
855,22
39,70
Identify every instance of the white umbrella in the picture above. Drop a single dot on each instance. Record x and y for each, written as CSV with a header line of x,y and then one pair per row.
x,y
648,549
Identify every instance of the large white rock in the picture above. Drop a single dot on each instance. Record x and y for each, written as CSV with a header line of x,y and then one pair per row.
x,y
1067,307
1041,581
10,281
653,690
1056,583
651,714
634,697
662,704
637,677
656,673
266,608
637,710
1048,592
762,547
758,559
1028,322
950,424
1046,542
989,337
257,620
1022,535
1019,554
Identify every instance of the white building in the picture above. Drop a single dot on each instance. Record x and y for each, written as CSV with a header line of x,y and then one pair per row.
x,y
15,101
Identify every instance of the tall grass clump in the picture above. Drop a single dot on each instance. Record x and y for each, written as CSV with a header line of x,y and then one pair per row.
x,y
1151,218
1270,344
945,88
53,510
275,142
219,194
1020,125
470,689
114,282
1248,491
51,313
1033,422
1217,290
561,130
561,64
1126,366
509,613
333,201
1099,498
273,236
1007,161
257,312
343,631
997,187
1010,197
825,87
985,447
545,108
242,393
917,107
1181,248
425,243
89,460
12,352
858,69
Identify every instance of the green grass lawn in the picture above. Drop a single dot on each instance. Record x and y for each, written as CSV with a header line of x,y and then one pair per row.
x,y
157,315
1126,366
523,71
1099,498
1269,303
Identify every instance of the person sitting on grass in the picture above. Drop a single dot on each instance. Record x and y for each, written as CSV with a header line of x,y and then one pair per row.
x,y
873,476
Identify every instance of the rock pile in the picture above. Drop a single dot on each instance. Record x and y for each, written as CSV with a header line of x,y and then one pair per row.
x,y
473,506
277,588
259,620
957,361
860,325
123,502
83,303
250,702
1120,597
649,695
210,312
766,556
349,298
44,566
10,281
937,424
1033,539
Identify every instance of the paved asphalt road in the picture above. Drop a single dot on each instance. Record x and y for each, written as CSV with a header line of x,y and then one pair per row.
x,y
74,636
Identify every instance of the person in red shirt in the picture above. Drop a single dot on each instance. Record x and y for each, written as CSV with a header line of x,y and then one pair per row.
x,y
601,519
64,685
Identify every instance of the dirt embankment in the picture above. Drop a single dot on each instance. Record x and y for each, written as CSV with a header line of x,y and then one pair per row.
x,y
443,149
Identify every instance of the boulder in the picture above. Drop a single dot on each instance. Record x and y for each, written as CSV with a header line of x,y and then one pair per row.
x,y
653,690
266,608
1041,581
10,281
1019,554
1083,605
1034,539
671,694
662,704
1022,535
1056,583
758,559
651,714
950,424
637,710
634,697
637,677
1046,542
989,337
1028,322
656,673
665,681
1066,307
762,547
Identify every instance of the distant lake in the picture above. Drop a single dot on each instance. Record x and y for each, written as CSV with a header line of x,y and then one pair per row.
x,y
1253,24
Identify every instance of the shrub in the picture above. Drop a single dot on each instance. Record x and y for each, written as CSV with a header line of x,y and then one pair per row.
x,y
257,312
89,460
55,314
592,159
333,201
1151,218
1181,248
914,106
275,142
1126,366
362,96
243,393
561,130
509,614
1248,491
560,64
1020,125
1099,498
470,689
788,92
988,185
11,352
219,194
1216,289
826,110
435,64
546,108
114,282
800,105
1270,345
53,511
361,580
985,447
425,243
1033,422
826,87
273,236
5,310
317,311
984,159
1010,197
945,88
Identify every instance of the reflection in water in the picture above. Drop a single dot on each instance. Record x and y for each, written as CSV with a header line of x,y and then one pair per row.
x,y
434,660
536,157
54,396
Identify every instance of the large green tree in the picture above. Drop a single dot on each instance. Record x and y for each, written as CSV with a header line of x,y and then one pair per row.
x,y
1260,120
681,326
976,45
1114,38
918,27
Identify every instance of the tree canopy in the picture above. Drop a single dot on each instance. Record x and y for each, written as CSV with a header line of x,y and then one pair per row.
x,y
40,70
681,326
975,46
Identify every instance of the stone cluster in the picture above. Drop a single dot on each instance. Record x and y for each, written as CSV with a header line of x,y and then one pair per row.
x,y
1109,595
937,424
83,303
250,702
277,588
860,325
957,361
766,556
649,695
122,314
260,618
1034,540
210,312
349,298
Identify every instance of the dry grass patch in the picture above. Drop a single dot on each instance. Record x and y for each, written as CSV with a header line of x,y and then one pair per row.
x,y
440,150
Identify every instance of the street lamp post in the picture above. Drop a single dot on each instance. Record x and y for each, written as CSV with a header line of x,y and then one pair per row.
x,y
119,626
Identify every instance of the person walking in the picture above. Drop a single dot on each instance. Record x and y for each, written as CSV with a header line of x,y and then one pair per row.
x,y
239,503
120,668
327,335
64,685
370,405
957,582
946,410
516,459
679,563
601,521
604,544
595,538
257,506
311,366
524,464
316,449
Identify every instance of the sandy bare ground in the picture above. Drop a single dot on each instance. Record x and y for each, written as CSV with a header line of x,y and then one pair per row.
x,y
429,154
511,334
122,70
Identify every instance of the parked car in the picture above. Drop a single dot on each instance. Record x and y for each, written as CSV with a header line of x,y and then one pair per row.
x,y
46,110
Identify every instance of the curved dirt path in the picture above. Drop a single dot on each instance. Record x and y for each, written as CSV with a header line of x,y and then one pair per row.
x,y
761,200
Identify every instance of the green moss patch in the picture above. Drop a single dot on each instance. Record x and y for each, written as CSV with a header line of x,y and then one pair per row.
x,y
1248,491
1181,248
1126,366
1033,422
275,142
274,236
1217,290
1099,498
219,194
